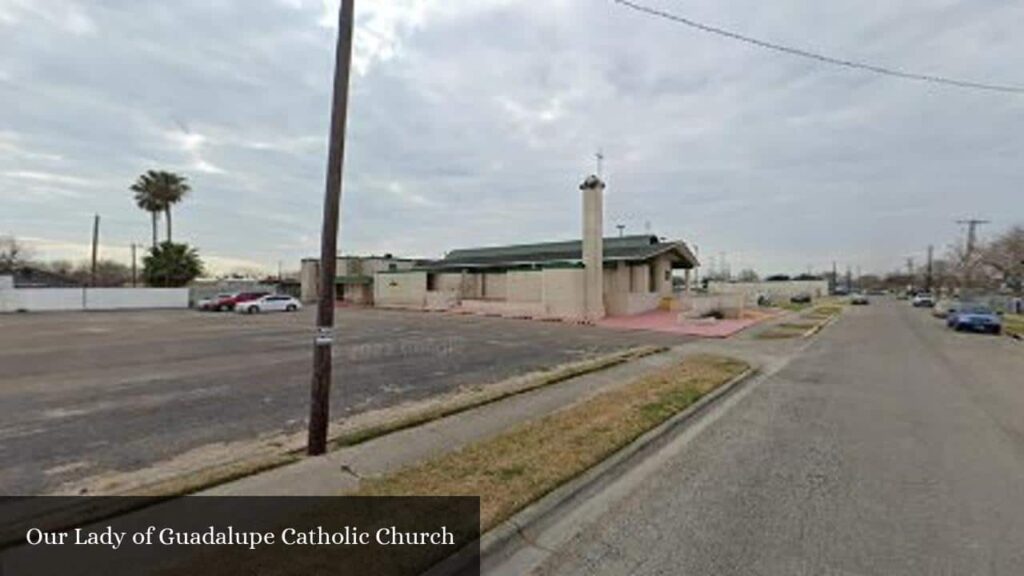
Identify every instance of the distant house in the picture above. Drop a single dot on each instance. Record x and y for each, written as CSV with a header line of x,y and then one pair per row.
x,y
32,277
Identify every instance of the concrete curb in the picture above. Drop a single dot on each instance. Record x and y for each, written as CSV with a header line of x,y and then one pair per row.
x,y
506,538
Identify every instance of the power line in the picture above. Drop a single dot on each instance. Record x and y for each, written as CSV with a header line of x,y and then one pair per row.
x,y
819,57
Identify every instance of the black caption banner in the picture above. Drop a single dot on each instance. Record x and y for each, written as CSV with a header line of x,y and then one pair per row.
x,y
227,536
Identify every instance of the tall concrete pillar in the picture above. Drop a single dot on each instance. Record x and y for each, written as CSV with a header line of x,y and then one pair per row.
x,y
593,248
309,288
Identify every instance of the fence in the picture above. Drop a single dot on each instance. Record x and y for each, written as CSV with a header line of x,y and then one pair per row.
x,y
51,299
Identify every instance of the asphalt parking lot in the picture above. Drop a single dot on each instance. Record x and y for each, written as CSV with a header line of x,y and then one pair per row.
x,y
82,394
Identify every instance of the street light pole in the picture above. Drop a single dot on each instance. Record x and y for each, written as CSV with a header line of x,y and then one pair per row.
x,y
320,394
135,275
95,248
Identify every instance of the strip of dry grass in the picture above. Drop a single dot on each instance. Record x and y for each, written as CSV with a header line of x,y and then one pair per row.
x,y
810,320
779,334
518,467
1013,324
825,311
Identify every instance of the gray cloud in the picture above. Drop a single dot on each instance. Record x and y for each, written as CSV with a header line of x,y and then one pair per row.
x,y
471,123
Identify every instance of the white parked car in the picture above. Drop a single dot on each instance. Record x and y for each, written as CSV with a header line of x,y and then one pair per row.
x,y
270,303
923,300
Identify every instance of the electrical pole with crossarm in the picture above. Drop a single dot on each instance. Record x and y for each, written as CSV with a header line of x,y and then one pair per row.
x,y
972,239
320,393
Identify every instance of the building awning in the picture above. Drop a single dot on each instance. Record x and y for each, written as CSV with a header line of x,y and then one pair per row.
x,y
353,280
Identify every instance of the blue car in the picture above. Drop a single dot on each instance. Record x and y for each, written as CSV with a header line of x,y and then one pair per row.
x,y
975,319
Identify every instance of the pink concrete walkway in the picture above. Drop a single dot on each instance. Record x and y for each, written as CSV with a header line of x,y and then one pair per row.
x,y
665,321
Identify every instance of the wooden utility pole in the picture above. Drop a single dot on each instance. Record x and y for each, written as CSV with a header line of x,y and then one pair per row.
x,y
972,238
95,248
135,275
928,280
320,394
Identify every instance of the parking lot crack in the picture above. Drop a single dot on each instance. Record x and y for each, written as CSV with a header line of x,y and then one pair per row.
x,y
346,469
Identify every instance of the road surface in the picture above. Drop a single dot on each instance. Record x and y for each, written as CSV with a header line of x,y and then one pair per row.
x,y
891,446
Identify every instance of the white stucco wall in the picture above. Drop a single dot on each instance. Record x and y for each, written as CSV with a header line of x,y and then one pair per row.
x,y
127,298
663,276
72,299
400,289
620,301
493,286
639,274
7,296
309,276
562,292
699,305
816,288
524,286
455,283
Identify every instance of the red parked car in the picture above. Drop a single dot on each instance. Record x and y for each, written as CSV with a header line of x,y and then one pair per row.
x,y
223,302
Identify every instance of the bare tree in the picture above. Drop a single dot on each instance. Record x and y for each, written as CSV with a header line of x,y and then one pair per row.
x,y
748,275
109,273
965,266
61,267
1005,257
13,254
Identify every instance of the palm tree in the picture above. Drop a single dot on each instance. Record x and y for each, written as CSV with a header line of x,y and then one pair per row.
x,y
171,265
158,190
145,198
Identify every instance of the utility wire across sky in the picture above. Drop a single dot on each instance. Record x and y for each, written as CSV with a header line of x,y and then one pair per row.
x,y
819,57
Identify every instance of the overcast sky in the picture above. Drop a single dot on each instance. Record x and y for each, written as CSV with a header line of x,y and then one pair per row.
x,y
472,122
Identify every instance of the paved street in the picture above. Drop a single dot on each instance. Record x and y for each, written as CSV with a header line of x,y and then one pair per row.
x,y
86,394
891,446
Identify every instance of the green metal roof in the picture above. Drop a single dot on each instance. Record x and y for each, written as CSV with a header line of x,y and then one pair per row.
x,y
353,280
635,248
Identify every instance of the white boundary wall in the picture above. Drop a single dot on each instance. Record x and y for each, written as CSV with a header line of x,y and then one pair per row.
x,y
784,289
53,299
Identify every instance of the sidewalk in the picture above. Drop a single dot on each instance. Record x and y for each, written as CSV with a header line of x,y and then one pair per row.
x,y
667,321
340,471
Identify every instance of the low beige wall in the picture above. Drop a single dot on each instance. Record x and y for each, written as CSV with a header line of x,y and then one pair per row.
x,y
630,303
697,306
562,293
816,288
453,283
493,286
524,286
70,299
507,309
441,300
400,289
